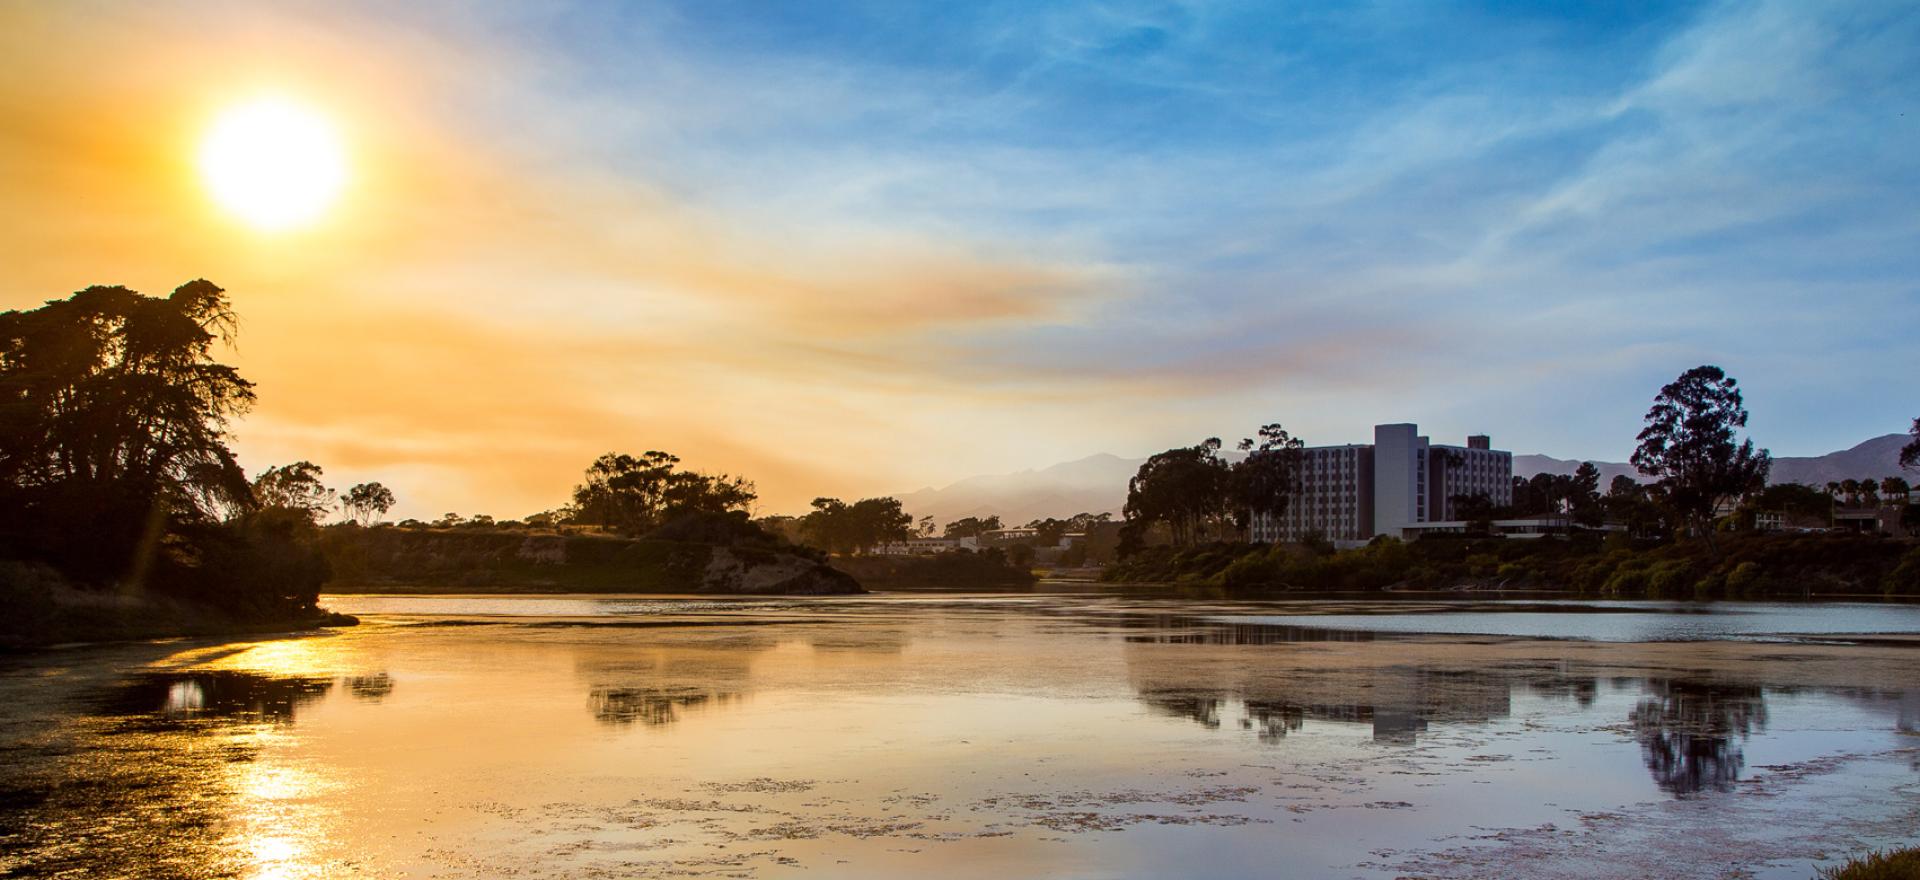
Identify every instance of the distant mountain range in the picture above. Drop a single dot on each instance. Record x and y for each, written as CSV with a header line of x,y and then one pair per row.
x,y
1098,483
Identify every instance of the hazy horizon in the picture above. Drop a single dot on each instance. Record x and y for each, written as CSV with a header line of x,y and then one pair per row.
x,y
863,250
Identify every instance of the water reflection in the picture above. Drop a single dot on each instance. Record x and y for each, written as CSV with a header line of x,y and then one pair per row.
x,y
175,697
372,688
1172,629
653,707
1398,702
660,685
1691,733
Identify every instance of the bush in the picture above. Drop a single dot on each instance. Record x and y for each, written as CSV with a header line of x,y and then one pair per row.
x,y
1904,579
1899,864
1744,578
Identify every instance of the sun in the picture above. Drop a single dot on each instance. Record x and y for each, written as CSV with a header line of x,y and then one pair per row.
x,y
273,162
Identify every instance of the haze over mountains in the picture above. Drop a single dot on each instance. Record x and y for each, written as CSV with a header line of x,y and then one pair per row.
x,y
1098,483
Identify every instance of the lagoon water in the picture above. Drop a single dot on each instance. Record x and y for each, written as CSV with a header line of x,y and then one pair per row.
x,y
973,737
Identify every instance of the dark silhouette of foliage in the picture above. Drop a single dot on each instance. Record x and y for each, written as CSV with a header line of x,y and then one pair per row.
x,y
1689,446
1265,482
971,527
294,487
366,503
1184,489
633,496
114,464
1910,453
838,527
1583,496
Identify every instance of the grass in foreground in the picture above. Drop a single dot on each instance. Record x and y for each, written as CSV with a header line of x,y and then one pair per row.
x,y
1894,864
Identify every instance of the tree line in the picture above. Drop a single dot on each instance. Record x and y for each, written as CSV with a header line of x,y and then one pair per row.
x,y
1690,452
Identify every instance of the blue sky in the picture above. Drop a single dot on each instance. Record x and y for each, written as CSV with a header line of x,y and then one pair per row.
x,y
896,244
1517,216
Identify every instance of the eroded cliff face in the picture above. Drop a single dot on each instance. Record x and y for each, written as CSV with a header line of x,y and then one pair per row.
x,y
758,572
409,559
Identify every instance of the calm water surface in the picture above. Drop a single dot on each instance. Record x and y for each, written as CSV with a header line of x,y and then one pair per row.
x,y
971,737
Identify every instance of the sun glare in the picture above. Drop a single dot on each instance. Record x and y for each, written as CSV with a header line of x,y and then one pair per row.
x,y
275,163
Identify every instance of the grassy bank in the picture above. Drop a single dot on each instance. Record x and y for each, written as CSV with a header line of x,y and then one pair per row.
x,y
946,571
1747,566
425,560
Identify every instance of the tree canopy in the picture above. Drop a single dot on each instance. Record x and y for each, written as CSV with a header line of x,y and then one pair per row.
x,y
971,526
295,487
366,503
116,392
838,527
1265,482
114,457
634,496
1690,447
1910,453
1184,489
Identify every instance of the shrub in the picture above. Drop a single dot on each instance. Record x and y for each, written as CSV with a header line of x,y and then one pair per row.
x,y
1904,579
1898,864
1743,578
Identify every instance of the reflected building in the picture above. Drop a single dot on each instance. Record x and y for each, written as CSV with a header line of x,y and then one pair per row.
x,y
372,688
1397,702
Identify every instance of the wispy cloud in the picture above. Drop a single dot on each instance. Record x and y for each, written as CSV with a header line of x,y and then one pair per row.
x,y
855,249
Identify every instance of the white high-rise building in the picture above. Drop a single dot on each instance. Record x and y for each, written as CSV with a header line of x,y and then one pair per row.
x,y
1349,494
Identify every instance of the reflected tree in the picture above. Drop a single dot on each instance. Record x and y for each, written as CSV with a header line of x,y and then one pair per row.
x,y
1691,733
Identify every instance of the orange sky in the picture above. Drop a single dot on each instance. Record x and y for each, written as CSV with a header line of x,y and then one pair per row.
x,y
851,250
479,317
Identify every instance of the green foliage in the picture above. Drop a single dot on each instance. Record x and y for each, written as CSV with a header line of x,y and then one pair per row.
x,y
1904,579
1894,864
1744,578
1751,565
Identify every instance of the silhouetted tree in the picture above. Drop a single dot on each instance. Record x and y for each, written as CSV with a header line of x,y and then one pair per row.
x,y
1635,506
114,464
1583,496
838,527
366,503
972,527
1265,482
634,496
1689,446
115,417
1895,489
1910,453
1186,489
295,487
